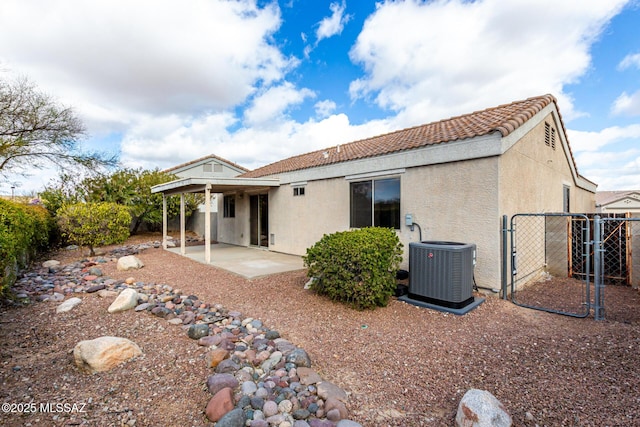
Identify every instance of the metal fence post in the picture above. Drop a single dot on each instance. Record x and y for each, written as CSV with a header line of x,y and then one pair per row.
x,y
504,255
597,267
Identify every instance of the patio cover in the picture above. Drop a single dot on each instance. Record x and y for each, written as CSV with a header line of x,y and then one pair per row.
x,y
206,186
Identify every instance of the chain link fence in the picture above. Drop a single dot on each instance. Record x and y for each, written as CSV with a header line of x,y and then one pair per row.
x,y
616,256
546,250
561,263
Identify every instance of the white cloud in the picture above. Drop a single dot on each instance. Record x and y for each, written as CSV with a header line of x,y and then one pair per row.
x,y
155,56
325,108
627,104
273,103
451,57
612,170
631,60
334,24
582,141
610,157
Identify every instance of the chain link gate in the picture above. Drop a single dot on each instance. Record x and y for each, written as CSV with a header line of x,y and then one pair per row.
x,y
616,256
545,250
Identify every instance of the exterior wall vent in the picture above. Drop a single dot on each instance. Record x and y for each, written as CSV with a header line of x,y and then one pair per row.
x,y
441,273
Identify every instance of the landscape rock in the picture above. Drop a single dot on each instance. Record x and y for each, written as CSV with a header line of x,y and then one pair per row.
x,y
198,331
104,353
215,356
278,386
479,408
333,404
107,293
209,340
220,404
68,305
50,263
127,300
95,288
129,262
308,376
234,418
299,357
327,390
217,382
348,423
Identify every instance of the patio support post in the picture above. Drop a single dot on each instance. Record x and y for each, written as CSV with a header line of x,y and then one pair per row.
x,y
164,221
207,224
183,249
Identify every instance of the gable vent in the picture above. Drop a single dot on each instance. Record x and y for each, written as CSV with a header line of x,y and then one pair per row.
x,y
549,135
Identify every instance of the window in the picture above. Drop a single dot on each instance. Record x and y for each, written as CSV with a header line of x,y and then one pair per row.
x,y
217,167
298,191
375,202
229,206
207,167
549,136
566,197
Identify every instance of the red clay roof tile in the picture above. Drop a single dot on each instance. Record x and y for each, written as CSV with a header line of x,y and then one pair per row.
x,y
504,119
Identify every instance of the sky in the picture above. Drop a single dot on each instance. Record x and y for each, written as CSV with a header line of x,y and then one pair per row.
x,y
162,82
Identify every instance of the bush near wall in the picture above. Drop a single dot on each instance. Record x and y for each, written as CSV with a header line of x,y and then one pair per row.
x,y
357,267
24,231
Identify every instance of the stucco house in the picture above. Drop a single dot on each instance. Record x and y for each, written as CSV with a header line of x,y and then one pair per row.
x,y
210,166
456,178
619,202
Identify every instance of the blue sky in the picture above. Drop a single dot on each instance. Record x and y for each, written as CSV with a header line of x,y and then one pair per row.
x,y
161,82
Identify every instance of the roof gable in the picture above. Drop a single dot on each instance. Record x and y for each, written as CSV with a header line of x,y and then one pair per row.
x,y
503,119
608,198
202,160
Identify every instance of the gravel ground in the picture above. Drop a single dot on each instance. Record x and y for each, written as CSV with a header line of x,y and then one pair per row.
x,y
402,365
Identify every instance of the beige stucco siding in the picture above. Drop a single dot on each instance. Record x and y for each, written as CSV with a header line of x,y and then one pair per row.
x,y
297,222
234,230
456,202
532,176
453,201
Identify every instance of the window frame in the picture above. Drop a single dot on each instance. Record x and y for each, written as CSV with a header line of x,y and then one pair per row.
x,y
229,206
375,212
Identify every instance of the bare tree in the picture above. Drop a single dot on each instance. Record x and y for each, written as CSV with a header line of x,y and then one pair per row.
x,y
35,130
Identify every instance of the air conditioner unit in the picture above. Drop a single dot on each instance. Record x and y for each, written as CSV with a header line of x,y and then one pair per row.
x,y
441,273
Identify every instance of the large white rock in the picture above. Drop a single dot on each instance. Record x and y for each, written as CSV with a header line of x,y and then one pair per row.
x,y
104,353
479,408
127,300
129,262
50,263
68,305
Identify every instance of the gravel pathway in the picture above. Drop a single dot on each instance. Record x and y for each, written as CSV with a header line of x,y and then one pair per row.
x,y
402,365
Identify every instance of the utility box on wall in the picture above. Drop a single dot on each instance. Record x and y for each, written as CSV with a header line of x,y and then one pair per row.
x,y
441,272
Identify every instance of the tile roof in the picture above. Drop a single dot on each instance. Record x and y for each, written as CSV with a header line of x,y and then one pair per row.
x,y
504,119
607,197
210,156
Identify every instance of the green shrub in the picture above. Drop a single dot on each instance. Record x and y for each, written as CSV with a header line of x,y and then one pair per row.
x,y
356,267
94,224
24,231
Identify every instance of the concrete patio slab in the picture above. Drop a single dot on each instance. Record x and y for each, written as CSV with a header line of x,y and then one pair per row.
x,y
245,261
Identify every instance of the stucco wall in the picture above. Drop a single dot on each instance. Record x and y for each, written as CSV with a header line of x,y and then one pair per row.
x,y
456,202
234,230
297,222
533,175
